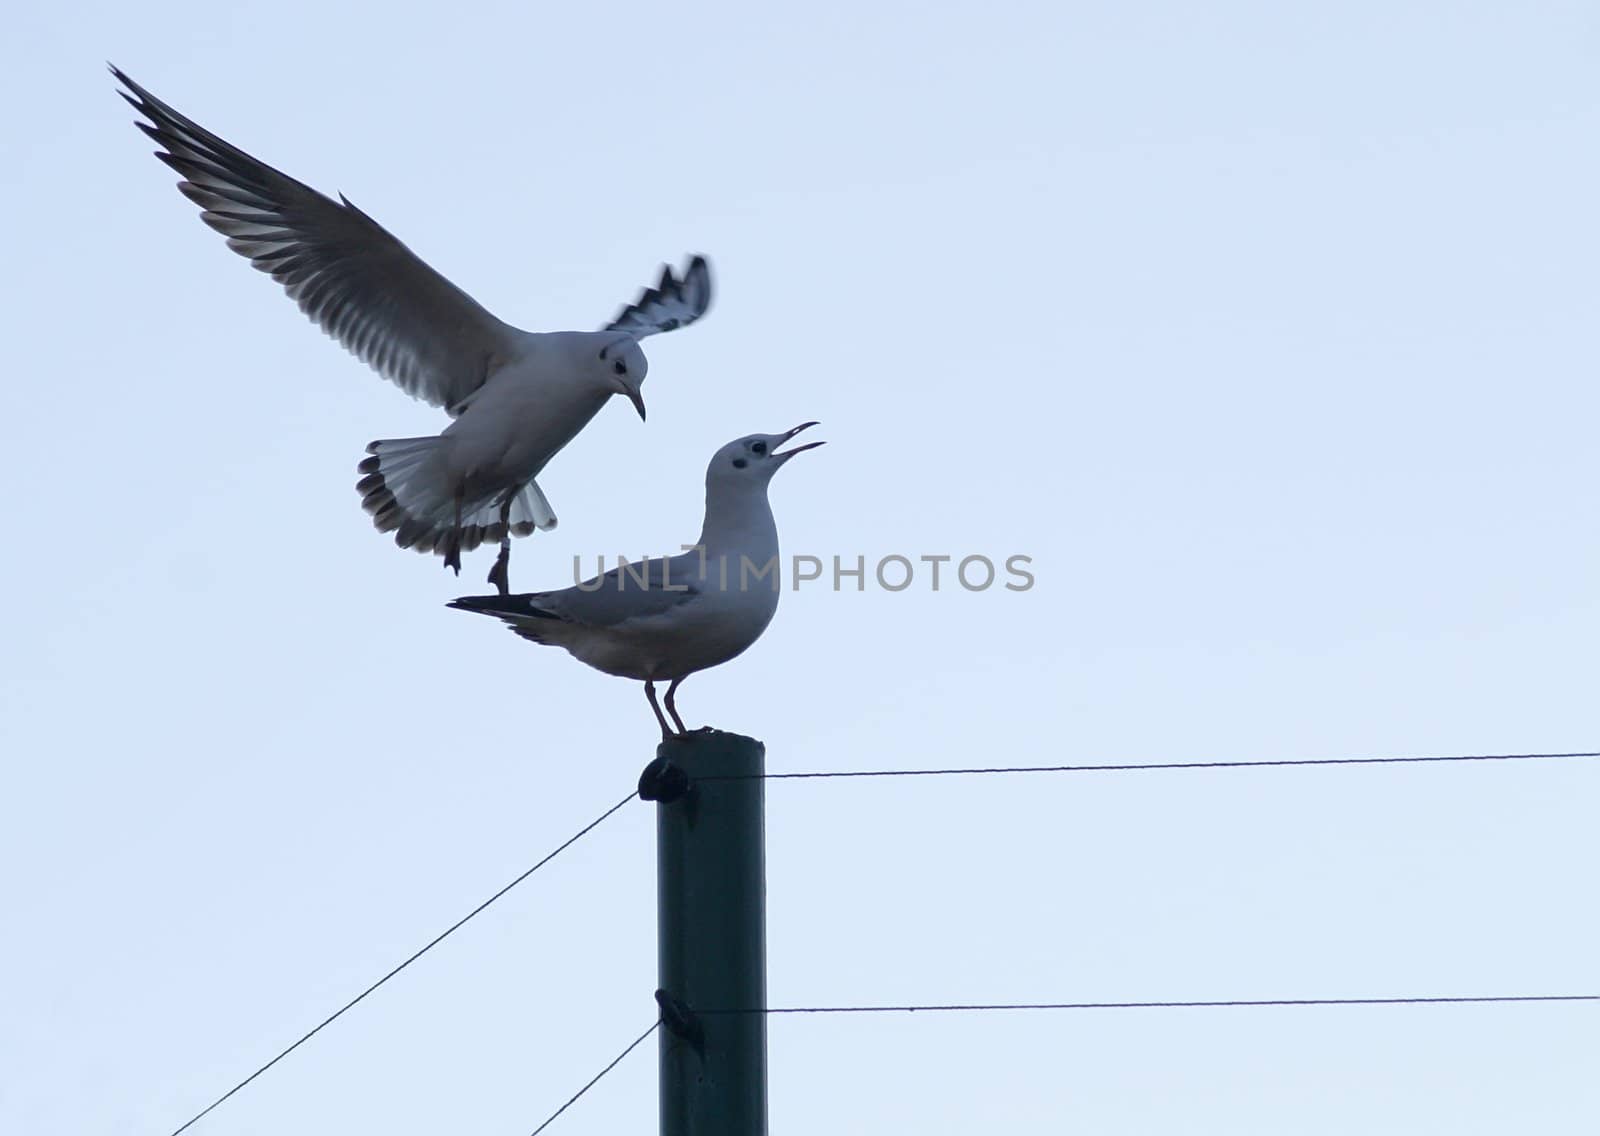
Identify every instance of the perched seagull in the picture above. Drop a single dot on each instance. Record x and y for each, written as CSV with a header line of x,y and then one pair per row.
x,y
517,397
665,619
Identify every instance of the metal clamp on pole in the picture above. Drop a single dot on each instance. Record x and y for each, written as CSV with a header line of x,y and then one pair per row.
x,y
681,1021
662,781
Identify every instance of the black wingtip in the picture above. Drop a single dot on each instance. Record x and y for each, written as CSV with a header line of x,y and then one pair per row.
x,y
689,291
134,95
485,605
513,609
140,97
698,277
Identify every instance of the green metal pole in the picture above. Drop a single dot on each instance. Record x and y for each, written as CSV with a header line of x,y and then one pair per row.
x,y
712,940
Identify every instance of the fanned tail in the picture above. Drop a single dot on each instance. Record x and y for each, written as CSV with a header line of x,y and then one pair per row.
x,y
404,488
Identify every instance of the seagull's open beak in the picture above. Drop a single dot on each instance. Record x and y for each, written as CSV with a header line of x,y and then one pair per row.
x,y
787,454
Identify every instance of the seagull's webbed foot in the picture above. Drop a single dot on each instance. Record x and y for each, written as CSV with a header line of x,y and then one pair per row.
x,y
672,708
650,692
500,574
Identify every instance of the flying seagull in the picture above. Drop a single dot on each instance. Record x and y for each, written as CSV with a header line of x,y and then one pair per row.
x,y
664,619
516,397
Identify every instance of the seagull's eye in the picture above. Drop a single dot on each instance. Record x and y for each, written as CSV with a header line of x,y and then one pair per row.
x,y
620,367
759,447
739,463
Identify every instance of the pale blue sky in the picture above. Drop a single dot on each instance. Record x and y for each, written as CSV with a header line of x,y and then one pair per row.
x,y
1267,331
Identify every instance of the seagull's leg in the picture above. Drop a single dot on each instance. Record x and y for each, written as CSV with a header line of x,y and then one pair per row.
x,y
672,709
650,693
500,574
452,543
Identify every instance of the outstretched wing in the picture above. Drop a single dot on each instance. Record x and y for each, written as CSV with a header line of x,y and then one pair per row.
x,y
671,304
347,272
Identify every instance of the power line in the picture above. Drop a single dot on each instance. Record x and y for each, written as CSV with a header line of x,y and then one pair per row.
x,y
435,941
1155,765
970,1007
615,1061
1276,763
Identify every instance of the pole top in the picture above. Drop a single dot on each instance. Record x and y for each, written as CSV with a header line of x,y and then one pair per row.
x,y
705,735
707,752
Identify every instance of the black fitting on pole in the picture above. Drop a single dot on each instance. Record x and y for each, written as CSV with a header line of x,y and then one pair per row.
x,y
681,1021
662,781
